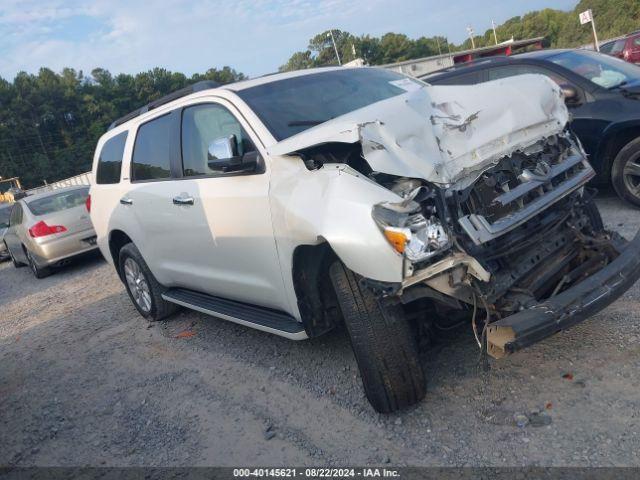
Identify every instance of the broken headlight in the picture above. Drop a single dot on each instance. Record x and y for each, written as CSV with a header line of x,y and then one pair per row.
x,y
408,230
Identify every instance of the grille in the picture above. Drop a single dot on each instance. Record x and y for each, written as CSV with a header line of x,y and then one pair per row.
x,y
521,186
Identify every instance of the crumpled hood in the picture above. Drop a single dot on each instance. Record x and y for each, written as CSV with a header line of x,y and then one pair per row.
x,y
445,134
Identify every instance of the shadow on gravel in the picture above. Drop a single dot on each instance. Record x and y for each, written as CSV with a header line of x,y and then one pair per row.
x,y
17,283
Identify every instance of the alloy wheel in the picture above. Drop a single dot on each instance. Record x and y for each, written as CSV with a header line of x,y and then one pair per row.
x,y
32,264
631,175
137,284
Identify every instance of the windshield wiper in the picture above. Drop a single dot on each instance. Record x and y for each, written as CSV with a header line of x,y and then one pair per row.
x,y
304,123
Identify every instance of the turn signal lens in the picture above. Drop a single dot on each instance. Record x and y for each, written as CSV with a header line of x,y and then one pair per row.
x,y
398,238
41,229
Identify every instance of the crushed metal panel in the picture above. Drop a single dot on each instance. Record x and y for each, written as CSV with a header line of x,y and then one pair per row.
x,y
445,134
448,263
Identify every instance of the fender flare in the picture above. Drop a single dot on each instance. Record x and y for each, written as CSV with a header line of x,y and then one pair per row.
x,y
608,136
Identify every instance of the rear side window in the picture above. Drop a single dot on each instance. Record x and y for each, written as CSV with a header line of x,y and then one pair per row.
x,y
110,160
470,78
58,202
607,47
618,46
151,155
512,70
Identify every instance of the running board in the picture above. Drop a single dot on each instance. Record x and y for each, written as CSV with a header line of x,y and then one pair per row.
x,y
260,318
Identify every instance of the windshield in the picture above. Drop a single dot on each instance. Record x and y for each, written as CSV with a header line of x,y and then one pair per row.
x,y
603,70
5,213
58,202
295,104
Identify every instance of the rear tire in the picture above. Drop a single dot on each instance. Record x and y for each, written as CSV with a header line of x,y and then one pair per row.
x,y
625,173
144,290
16,263
38,272
383,343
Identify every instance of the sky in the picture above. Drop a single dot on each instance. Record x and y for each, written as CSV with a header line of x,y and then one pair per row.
x,y
252,36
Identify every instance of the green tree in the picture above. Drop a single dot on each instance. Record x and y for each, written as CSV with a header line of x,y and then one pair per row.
x,y
50,122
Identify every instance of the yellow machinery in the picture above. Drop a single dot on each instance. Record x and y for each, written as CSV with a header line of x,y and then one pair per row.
x,y
8,187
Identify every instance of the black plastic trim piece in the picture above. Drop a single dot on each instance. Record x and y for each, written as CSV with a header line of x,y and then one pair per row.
x,y
265,317
183,92
573,305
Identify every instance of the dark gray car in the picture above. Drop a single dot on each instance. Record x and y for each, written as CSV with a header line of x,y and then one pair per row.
x,y
5,212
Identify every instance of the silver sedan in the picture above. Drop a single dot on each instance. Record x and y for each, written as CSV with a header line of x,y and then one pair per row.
x,y
47,229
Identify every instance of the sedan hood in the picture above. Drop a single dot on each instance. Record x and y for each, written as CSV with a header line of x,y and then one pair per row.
x,y
445,134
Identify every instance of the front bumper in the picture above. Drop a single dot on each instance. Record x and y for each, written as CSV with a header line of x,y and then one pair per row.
x,y
568,308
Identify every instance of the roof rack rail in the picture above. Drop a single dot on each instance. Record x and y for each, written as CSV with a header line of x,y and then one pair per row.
x,y
196,87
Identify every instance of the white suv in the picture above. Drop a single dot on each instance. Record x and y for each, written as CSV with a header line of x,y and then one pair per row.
x,y
293,202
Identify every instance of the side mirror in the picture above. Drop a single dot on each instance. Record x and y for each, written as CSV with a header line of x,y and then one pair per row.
x,y
221,149
570,93
223,157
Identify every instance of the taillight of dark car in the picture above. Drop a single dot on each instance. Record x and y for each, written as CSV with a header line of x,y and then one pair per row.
x,y
87,203
41,229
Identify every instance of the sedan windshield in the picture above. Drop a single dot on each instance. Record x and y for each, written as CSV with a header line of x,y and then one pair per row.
x,y
608,72
292,105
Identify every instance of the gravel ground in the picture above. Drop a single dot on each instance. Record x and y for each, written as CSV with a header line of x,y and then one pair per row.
x,y
85,381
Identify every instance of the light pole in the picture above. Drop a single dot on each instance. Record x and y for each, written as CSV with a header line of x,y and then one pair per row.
x,y
494,31
470,32
330,34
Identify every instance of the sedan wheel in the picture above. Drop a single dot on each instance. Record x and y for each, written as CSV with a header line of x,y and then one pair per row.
x,y
625,172
38,272
16,263
631,175
137,284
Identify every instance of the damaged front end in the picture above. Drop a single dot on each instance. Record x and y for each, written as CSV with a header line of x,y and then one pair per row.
x,y
529,247
490,208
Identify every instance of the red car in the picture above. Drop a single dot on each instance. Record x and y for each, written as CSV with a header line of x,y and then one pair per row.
x,y
627,48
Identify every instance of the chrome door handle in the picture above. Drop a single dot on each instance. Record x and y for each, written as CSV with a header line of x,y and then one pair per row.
x,y
183,200
126,201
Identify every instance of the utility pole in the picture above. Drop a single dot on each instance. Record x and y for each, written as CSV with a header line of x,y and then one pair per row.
x,y
586,17
495,37
470,32
595,35
334,46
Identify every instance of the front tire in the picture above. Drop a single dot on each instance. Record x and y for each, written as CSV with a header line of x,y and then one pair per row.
x,y
383,343
144,290
625,173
